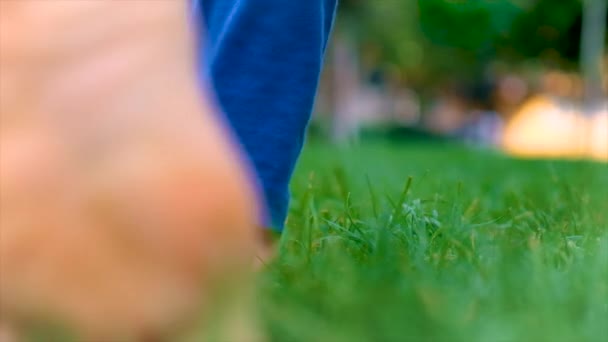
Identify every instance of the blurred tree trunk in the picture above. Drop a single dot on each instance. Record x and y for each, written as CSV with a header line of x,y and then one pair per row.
x,y
346,84
592,49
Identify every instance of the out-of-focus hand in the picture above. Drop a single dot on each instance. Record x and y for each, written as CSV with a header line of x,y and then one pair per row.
x,y
121,197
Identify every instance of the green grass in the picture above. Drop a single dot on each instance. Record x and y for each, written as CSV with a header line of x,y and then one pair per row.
x,y
440,243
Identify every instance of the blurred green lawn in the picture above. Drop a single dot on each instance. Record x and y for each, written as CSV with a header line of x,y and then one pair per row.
x,y
420,242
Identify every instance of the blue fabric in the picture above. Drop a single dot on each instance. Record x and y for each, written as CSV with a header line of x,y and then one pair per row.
x,y
264,58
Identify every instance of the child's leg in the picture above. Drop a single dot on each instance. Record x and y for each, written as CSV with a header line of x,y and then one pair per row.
x,y
121,196
264,59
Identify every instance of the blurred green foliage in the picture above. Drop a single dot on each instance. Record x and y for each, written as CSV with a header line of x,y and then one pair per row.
x,y
430,40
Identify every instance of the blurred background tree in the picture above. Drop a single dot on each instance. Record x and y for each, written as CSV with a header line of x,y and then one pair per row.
x,y
430,40
461,47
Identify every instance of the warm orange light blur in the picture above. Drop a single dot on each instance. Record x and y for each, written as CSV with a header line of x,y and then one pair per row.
x,y
545,128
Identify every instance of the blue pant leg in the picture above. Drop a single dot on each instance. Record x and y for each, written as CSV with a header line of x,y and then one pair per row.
x,y
264,58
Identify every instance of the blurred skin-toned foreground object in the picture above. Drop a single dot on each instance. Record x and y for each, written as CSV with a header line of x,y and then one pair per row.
x,y
545,128
121,198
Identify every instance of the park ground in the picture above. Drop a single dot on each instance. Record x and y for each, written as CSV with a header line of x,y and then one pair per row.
x,y
429,242
435,242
